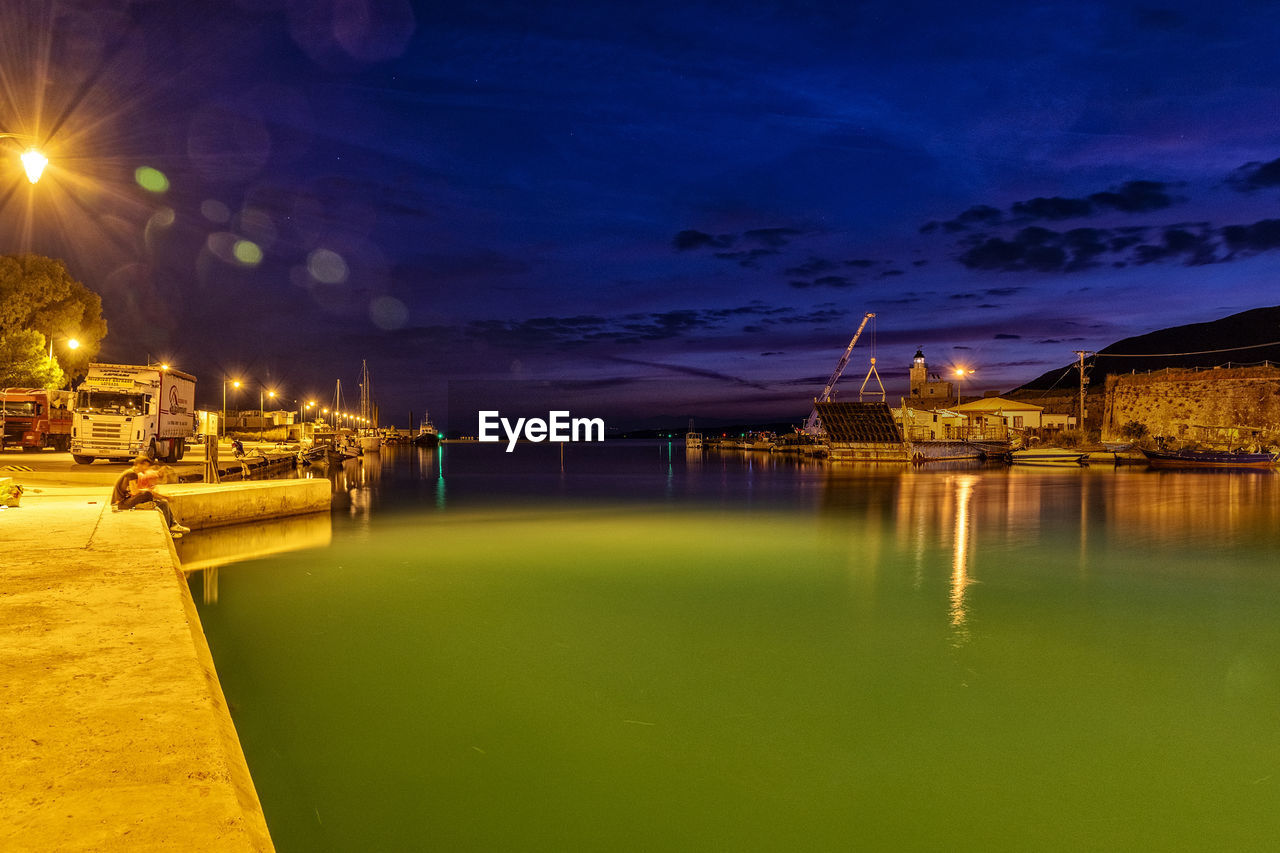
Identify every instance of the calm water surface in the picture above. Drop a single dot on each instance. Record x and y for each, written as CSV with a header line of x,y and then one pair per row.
x,y
648,651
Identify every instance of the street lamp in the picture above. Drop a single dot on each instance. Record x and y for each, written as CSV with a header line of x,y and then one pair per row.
x,y
33,159
235,383
72,343
262,413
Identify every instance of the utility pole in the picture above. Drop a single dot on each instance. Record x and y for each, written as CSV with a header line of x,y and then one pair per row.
x,y
1081,353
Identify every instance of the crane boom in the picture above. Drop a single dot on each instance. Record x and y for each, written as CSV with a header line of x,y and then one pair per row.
x,y
811,425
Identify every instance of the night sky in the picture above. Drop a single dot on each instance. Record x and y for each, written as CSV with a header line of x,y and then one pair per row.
x,y
682,208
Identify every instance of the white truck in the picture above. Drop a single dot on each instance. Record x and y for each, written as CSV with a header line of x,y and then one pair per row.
x,y
122,410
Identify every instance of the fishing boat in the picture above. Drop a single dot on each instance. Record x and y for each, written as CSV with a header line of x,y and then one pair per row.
x,y
1209,459
426,435
1048,456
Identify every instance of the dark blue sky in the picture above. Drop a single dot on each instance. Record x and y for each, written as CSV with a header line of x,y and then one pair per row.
x,y
687,207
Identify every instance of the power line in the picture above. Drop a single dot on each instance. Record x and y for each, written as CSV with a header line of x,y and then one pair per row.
x,y
1171,354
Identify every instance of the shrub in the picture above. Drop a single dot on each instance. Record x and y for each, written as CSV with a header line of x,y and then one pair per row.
x,y
1069,438
1134,430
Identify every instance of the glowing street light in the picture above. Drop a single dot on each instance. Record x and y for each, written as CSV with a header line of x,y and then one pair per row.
x,y
33,162
33,159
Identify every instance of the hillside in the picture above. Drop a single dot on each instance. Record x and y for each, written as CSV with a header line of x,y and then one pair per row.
x,y
1217,342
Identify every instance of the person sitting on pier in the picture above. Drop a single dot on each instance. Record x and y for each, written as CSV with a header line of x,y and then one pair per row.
x,y
126,494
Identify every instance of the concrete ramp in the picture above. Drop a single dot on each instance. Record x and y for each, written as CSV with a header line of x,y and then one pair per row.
x,y
203,505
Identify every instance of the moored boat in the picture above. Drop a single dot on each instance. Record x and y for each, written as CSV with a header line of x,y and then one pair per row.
x,y
1209,459
693,441
1048,456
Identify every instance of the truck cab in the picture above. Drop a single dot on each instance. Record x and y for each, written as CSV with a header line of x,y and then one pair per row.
x,y
35,418
122,411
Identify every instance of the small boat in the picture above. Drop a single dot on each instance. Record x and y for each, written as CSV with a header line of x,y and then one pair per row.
x,y
1209,459
1048,456
427,435
693,441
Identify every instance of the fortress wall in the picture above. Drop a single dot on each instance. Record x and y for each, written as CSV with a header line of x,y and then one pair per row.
x,y
1171,402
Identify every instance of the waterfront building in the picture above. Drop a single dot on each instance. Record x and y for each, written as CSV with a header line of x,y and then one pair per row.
x,y
999,411
929,424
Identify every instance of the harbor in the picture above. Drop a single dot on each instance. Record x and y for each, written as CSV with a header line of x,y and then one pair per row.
x,y
755,427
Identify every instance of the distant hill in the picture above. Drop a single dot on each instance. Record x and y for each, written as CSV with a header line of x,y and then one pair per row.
x,y
1217,342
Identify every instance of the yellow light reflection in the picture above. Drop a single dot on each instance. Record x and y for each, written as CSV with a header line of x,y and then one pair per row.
x,y
960,559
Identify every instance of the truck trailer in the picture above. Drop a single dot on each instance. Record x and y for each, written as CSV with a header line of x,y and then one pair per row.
x,y
35,418
124,410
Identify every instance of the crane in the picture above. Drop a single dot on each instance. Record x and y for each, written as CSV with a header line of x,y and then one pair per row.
x,y
811,425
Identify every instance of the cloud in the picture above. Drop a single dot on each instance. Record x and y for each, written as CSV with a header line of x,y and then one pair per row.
x,y
1129,197
1255,176
693,371
747,258
773,237
978,215
1039,249
837,281
891,273
1006,337
813,266
1261,236
690,239
554,333
862,263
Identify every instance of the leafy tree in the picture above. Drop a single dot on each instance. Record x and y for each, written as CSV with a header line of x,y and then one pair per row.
x,y
38,295
25,363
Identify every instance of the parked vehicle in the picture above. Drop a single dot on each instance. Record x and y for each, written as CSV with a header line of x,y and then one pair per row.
x,y
123,410
35,418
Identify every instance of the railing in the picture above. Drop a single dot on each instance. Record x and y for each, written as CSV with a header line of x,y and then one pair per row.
x,y
950,432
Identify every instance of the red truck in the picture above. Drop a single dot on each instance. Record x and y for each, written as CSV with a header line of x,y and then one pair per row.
x,y
35,418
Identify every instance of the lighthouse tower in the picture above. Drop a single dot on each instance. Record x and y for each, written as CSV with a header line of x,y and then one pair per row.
x,y
919,374
928,390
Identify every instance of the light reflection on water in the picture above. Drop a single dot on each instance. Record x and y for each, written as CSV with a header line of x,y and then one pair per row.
x,y
653,650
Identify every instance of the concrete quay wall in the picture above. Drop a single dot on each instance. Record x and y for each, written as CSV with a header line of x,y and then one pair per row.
x,y
203,505
116,734
1176,403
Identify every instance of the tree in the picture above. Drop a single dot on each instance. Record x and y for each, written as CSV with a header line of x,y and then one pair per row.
x,y
39,296
25,363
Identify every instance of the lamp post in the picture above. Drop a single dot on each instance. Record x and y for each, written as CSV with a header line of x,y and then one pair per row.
x,y
262,412
235,383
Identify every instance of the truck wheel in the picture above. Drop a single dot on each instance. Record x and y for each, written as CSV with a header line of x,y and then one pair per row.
x,y
62,443
83,460
151,450
29,449
181,450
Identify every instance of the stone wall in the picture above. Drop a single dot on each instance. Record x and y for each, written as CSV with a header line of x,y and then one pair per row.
x,y
1181,403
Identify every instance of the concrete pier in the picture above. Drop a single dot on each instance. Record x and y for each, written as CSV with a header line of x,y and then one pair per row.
x,y
202,505
116,735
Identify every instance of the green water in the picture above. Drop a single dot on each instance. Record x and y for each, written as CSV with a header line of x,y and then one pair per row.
x,y
732,655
